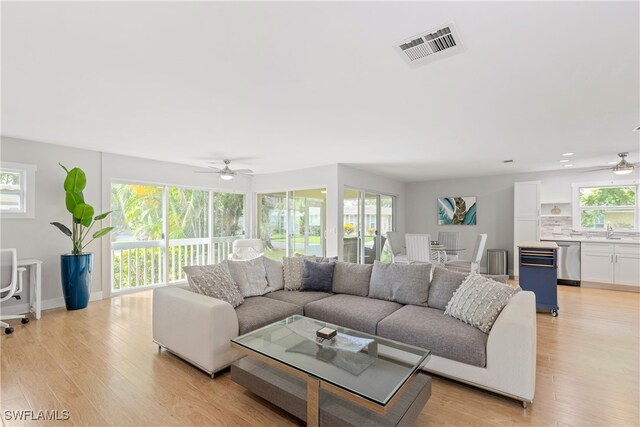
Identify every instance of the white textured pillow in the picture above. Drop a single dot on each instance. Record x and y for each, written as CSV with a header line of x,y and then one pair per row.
x,y
250,276
294,270
479,300
214,281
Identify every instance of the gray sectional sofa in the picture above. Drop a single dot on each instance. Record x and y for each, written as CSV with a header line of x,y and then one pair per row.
x,y
502,361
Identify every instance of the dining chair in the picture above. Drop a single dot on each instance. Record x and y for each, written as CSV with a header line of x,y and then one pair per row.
x,y
10,285
398,246
472,265
450,239
418,247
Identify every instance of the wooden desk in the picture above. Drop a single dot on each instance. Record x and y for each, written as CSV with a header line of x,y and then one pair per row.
x,y
35,284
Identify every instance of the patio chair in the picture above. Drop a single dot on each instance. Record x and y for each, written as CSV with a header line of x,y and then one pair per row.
x,y
246,249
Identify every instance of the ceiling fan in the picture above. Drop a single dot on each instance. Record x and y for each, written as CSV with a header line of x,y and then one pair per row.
x,y
227,173
623,167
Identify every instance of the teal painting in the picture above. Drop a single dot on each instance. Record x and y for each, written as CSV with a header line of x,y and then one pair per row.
x,y
456,210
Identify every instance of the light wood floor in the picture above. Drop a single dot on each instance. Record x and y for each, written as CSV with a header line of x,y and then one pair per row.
x,y
101,365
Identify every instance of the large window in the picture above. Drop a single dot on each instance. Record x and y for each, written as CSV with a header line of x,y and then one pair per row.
x,y
600,206
158,230
17,190
367,218
292,222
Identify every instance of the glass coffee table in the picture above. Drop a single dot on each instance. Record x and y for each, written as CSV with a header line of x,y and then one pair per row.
x,y
372,372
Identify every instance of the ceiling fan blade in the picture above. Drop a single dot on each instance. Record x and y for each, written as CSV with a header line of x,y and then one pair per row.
x,y
214,169
206,171
243,171
598,169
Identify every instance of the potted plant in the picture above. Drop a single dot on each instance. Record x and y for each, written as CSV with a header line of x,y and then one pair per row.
x,y
76,268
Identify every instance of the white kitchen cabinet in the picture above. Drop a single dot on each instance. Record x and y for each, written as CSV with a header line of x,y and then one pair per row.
x,y
617,264
526,216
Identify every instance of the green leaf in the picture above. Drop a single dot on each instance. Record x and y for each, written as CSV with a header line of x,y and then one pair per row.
x,y
76,181
84,212
73,199
102,232
63,167
102,216
62,228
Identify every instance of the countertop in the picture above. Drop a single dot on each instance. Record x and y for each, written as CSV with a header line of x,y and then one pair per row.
x,y
590,240
541,245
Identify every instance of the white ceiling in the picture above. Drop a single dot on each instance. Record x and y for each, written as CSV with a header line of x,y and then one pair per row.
x,y
294,85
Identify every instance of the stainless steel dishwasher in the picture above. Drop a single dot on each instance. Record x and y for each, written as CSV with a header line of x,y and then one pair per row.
x,y
569,263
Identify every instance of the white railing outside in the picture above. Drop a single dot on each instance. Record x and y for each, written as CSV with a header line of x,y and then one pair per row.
x,y
142,263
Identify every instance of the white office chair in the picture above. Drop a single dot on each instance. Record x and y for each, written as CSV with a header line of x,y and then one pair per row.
x,y
246,249
10,284
473,265
418,247
398,247
449,239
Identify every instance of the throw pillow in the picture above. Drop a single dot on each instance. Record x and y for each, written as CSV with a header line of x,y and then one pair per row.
x,y
293,267
250,276
275,275
479,300
317,276
403,283
214,281
353,279
443,285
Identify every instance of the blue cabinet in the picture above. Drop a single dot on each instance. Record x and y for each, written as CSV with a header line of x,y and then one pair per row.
x,y
539,274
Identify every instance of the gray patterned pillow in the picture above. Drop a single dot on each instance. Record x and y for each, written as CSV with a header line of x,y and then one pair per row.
x,y
214,281
479,300
275,274
294,270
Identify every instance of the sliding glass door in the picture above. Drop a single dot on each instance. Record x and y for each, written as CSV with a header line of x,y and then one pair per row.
x,y
158,230
367,217
292,222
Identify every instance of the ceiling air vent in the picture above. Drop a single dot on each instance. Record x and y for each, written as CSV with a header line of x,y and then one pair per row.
x,y
430,46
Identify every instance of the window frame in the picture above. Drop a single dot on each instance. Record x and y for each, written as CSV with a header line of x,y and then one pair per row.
x,y
27,190
577,209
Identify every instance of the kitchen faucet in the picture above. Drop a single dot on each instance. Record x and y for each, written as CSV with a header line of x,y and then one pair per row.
x,y
609,230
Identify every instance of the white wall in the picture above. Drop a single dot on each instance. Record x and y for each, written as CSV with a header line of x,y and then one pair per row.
x,y
36,238
495,204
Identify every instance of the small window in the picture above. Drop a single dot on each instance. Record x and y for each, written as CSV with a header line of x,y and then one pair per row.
x,y
599,206
17,190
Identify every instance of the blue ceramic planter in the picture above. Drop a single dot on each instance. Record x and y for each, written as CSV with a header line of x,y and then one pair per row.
x,y
76,274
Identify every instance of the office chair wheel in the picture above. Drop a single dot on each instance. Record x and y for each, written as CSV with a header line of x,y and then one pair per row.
x,y
25,320
8,330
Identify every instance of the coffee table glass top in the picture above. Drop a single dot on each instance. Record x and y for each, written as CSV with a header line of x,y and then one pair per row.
x,y
369,366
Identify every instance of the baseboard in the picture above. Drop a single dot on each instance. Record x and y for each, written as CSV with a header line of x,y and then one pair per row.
x,y
46,304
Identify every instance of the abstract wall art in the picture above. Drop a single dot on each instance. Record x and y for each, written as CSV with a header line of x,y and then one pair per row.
x,y
457,210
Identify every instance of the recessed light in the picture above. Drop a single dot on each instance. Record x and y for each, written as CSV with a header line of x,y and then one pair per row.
x,y
568,166
507,161
567,154
637,129
564,161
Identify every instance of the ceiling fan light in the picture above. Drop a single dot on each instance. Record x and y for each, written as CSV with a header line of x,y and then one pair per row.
x,y
226,177
623,170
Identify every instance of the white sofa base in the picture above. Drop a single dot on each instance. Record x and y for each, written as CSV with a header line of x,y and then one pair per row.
x,y
511,354
198,329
